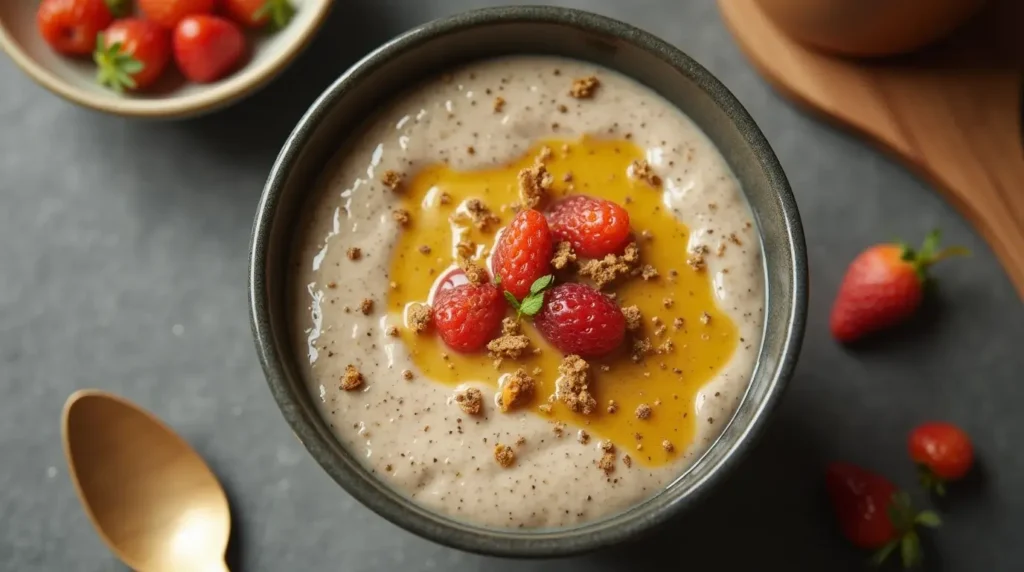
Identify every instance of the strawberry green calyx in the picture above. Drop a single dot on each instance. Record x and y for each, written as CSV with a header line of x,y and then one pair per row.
x,y
929,254
930,481
119,8
280,12
905,520
532,303
115,67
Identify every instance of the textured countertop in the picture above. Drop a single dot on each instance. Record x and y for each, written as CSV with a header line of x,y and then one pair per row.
x,y
123,267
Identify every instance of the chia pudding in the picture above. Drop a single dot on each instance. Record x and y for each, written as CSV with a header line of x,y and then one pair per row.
x,y
404,404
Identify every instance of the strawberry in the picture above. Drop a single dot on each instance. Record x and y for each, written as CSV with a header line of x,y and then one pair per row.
x,y
523,253
168,13
71,26
207,48
874,515
594,227
884,286
131,54
259,13
468,316
943,452
577,319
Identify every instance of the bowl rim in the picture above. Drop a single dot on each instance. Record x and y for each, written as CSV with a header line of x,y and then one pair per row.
x,y
237,86
431,525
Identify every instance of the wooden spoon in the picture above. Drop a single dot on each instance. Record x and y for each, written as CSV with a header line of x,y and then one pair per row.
x,y
152,499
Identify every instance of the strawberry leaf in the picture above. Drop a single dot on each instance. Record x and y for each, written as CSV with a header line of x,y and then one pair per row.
x,y
541,284
279,12
512,300
532,304
928,518
910,550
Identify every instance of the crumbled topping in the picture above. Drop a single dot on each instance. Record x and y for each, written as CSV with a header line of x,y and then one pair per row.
x,y
735,239
564,256
332,284
612,406
392,179
607,463
627,460
583,437
512,344
572,385
351,379
648,272
471,150
402,217
648,235
535,183
667,445
465,248
354,253
420,316
482,216
424,249
634,320
520,441
643,171
643,411
471,401
705,318
444,199
366,306
678,323
606,270
668,302
392,331
607,446
584,87
666,347
696,259
504,455
499,104
544,408
407,374
562,108
475,273
517,391
641,349
558,428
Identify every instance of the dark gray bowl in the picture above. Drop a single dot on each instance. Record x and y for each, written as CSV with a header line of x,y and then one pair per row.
x,y
441,44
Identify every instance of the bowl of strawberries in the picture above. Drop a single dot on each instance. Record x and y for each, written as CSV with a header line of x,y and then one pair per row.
x,y
156,58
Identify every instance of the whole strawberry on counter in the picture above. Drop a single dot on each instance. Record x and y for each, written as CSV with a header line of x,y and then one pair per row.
x,y
884,286
942,452
70,26
874,515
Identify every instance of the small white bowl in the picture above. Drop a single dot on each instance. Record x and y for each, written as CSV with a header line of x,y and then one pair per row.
x,y
172,97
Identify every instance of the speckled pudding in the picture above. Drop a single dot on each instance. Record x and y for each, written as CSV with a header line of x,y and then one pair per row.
x,y
465,136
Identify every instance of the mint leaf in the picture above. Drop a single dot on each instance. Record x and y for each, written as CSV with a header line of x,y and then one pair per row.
x,y
497,279
540,284
928,518
512,300
910,550
532,304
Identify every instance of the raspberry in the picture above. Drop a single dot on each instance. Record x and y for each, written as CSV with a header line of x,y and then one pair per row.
x,y
594,227
468,316
577,319
523,253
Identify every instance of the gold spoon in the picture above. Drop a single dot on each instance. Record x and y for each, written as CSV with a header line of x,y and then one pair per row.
x,y
152,499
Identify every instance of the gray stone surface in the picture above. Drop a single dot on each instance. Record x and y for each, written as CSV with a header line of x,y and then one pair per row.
x,y
122,266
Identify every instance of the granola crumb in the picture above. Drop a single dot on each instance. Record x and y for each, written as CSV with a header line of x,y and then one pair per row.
x,y
564,256
634,320
735,239
573,388
545,154
583,437
678,323
648,272
641,349
482,216
544,408
667,445
332,284
721,249
612,406
444,199
666,347
627,460
366,306
387,468
562,108
393,285
402,217
474,272
668,302
647,235
420,316
499,104
536,371
608,269
392,331
705,318
584,87
424,249
512,344
607,446
607,463
642,170
407,374
354,253
517,390
535,182
471,150
567,177
558,428
696,259
351,379
643,411
504,455
520,441
392,179
470,401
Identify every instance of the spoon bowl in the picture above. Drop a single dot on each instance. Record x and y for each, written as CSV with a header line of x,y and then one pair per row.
x,y
152,498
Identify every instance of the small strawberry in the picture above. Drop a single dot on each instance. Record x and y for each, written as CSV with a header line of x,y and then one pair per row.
x,y
71,26
577,319
168,13
207,48
259,13
943,452
523,252
468,316
874,515
884,286
131,54
594,227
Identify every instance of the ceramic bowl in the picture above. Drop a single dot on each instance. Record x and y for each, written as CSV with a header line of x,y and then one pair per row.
x,y
429,50
172,97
